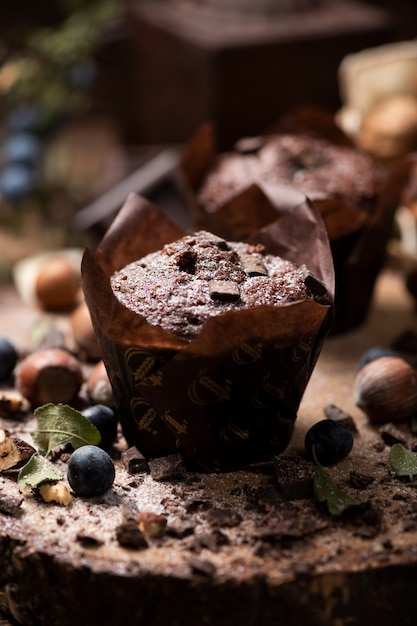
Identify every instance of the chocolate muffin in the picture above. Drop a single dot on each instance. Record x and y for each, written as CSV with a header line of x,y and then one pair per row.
x,y
201,275
209,344
345,185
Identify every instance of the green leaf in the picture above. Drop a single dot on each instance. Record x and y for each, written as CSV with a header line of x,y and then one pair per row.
x,y
59,425
325,490
403,462
38,470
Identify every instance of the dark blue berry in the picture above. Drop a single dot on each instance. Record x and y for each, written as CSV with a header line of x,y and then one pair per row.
x,y
375,353
90,471
8,358
105,420
328,442
22,148
17,182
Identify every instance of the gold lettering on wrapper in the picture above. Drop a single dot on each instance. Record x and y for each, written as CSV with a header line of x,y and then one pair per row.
x,y
204,390
246,354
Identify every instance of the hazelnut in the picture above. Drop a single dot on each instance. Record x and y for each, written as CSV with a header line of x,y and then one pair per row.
x,y
98,386
151,524
386,390
83,332
57,285
52,375
55,492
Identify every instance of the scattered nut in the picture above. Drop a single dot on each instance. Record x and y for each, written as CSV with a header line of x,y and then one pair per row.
x,y
55,492
98,386
57,285
14,453
151,524
386,390
11,403
52,375
83,332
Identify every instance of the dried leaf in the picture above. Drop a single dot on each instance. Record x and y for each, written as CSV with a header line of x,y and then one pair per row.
x,y
38,470
59,425
403,462
326,490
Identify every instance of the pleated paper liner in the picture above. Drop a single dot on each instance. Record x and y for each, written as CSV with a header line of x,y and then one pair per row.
x,y
230,397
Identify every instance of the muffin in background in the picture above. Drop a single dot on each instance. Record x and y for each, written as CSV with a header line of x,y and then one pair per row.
x,y
229,193
227,395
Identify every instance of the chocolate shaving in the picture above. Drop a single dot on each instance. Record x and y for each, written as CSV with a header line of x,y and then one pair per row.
x,y
129,536
253,265
360,481
224,291
169,467
335,413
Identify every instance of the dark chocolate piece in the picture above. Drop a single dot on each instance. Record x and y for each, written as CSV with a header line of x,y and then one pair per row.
x,y
360,481
391,435
169,467
221,517
313,283
224,291
253,265
129,536
294,477
335,413
134,461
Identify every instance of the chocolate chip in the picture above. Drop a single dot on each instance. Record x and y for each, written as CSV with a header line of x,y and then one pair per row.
x,y
224,291
129,536
313,283
134,462
169,467
253,265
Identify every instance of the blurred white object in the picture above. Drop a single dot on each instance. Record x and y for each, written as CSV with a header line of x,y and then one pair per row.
x,y
368,77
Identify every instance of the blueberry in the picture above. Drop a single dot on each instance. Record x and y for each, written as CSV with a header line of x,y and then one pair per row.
x,y
105,420
8,358
331,441
375,353
22,148
90,471
17,182
23,118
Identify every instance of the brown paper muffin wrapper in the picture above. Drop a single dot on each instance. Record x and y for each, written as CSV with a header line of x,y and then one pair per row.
x,y
230,397
358,239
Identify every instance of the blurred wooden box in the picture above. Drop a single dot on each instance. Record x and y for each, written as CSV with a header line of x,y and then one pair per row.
x,y
188,65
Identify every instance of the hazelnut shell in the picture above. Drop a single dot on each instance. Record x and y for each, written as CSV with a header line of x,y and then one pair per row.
x,y
83,332
52,375
57,285
386,390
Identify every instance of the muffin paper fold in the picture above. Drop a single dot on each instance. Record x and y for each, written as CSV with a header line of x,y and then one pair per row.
x,y
229,397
